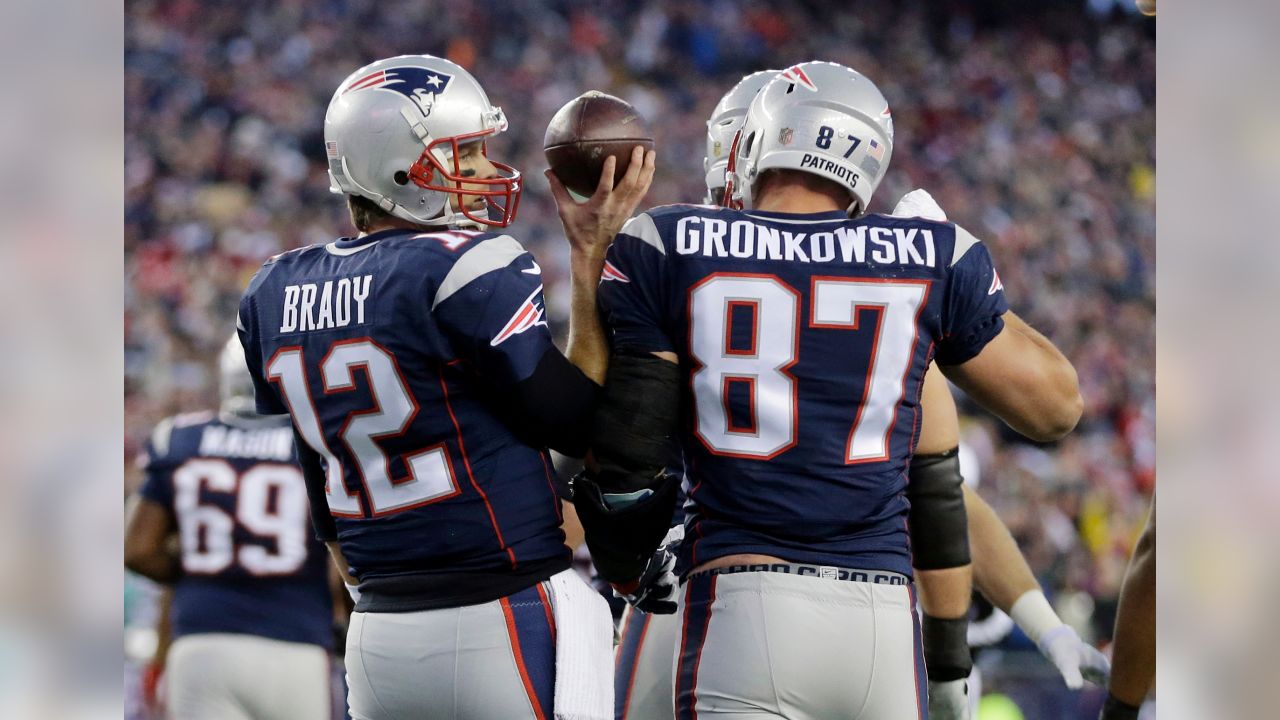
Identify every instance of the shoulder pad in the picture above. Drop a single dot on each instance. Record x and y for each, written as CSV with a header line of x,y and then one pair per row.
x,y
644,229
488,254
964,241
160,437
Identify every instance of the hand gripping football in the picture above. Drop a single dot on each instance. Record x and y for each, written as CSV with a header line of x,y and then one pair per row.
x,y
588,129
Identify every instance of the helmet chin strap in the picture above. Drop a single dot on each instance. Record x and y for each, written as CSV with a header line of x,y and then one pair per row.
x,y
446,218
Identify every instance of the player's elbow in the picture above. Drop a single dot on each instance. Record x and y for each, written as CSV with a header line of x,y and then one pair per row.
x,y
1061,412
138,556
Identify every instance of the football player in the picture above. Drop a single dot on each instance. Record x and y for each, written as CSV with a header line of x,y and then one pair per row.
x,y
416,364
251,614
797,333
643,679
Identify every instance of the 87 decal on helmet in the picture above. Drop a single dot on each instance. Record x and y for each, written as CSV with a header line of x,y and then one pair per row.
x,y
816,117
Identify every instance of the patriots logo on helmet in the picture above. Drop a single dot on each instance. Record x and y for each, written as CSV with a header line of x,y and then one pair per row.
x,y
420,85
528,316
797,75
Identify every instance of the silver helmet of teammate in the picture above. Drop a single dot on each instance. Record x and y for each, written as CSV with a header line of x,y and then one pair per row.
x,y
820,118
392,133
235,386
724,124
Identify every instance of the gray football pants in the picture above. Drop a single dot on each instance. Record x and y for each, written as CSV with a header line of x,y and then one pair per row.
x,y
225,676
494,661
642,683
765,645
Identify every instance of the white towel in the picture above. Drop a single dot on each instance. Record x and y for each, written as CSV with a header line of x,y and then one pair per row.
x,y
584,650
919,203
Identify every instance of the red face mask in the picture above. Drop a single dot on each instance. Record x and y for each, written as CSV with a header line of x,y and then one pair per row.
x,y
729,200
501,194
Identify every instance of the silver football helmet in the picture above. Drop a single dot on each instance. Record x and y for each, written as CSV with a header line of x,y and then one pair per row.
x,y
392,133
816,117
235,386
724,124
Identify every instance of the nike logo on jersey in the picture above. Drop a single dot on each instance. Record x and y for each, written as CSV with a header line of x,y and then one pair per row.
x,y
528,316
321,306
995,283
535,270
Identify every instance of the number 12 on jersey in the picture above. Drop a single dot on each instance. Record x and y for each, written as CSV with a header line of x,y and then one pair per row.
x,y
394,408
764,366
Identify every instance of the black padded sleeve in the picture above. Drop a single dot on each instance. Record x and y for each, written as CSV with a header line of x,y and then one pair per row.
x,y
631,436
553,406
937,521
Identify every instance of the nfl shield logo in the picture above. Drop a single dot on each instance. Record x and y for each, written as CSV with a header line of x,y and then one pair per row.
x,y
785,136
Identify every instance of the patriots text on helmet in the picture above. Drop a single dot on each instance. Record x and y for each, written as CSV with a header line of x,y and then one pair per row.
x,y
817,162
714,237
321,306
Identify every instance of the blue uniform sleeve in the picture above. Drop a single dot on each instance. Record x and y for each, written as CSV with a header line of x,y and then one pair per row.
x,y
157,470
265,397
974,304
633,289
491,308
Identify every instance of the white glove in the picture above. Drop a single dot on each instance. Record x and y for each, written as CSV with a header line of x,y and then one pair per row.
x,y
949,700
919,203
1075,659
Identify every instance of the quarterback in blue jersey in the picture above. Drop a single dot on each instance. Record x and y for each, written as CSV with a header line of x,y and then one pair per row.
x,y
794,337
416,363
251,614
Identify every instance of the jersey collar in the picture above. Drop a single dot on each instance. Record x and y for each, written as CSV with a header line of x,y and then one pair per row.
x,y
828,215
352,242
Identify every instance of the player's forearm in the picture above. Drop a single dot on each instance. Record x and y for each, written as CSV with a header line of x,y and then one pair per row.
x,y
587,349
1134,659
340,563
1000,572
154,564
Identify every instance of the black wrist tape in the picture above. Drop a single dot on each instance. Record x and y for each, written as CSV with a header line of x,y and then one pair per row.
x,y
946,648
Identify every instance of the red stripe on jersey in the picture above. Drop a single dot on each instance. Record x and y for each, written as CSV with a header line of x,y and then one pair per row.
x,y
471,476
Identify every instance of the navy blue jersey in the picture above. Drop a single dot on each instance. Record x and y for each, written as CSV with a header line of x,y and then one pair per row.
x,y
250,563
392,352
804,341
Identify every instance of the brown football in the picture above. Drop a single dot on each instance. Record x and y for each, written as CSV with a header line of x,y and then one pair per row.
x,y
588,129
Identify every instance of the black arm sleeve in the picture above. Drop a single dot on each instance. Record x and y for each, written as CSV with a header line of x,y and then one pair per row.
x,y
937,521
314,475
552,407
631,443
631,436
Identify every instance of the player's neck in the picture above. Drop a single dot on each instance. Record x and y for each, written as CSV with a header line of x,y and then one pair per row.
x,y
796,198
393,223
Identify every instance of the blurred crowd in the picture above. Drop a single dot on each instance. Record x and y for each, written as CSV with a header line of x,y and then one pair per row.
x,y
1033,127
